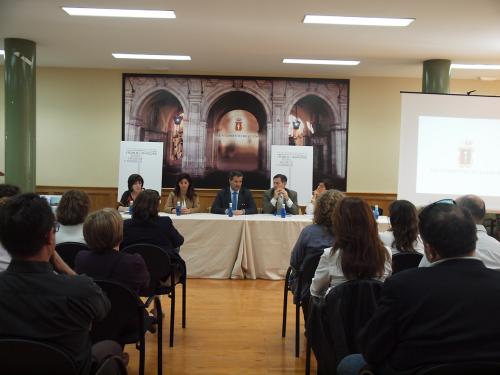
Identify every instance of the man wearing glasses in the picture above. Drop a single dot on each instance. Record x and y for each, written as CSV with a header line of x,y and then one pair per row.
x,y
447,313
41,297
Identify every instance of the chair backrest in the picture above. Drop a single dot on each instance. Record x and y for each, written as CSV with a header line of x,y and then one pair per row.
x,y
20,356
307,272
125,321
462,368
68,251
157,261
112,365
404,261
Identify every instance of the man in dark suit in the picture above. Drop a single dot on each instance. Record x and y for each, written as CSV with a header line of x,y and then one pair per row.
x,y
277,196
235,195
445,313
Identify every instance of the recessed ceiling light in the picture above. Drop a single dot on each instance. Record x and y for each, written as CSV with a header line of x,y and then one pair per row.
x,y
132,13
139,56
320,62
2,52
475,66
359,21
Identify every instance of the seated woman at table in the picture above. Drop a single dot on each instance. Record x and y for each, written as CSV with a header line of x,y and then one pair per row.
x,y
403,237
71,212
185,194
103,231
323,186
357,253
313,240
135,186
146,226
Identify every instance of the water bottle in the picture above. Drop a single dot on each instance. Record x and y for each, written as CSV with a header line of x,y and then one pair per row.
x,y
130,207
376,213
178,209
230,211
283,211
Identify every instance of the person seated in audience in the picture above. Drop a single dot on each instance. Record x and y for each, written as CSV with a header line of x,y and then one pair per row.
x,y
323,186
185,194
445,313
313,240
357,253
146,226
235,195
6,191
39,304
103,232
279,195
135,186
403,236
71,213
487,247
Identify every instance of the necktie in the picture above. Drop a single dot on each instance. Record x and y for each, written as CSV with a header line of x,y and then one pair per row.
x,y
235,197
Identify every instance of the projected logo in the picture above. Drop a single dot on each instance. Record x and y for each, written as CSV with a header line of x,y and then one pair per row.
x,y
465,153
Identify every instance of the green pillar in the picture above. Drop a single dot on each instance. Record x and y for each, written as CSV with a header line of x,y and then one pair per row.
x,y
20,113
436,77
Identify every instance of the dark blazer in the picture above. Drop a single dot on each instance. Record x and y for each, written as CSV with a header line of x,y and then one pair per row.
x,y
160,232
268,208
127,269
223,200
445,313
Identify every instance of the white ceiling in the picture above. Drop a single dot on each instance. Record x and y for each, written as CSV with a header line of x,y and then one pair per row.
x,y
251,37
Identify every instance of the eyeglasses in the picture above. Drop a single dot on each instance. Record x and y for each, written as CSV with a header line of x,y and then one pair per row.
x,y
427,209
56,227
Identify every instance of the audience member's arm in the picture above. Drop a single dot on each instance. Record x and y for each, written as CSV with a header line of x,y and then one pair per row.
x,y
60,265
298,252
321,279
378,337
91,301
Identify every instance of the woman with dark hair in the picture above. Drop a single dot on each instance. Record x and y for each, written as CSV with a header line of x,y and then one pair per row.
x,y
357,252
146,226
71,212
135,186
185,195
403,236
323,185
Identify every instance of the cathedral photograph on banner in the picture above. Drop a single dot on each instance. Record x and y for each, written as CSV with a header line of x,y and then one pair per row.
x,y
212,125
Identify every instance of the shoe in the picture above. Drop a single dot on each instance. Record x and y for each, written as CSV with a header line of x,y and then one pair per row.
x,y
125,358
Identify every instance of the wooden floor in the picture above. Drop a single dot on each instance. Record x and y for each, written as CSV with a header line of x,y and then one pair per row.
x,y
233,327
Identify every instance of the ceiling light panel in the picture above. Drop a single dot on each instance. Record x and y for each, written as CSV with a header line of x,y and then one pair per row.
x,y
358,21
475,66
130,13
139,56
320,62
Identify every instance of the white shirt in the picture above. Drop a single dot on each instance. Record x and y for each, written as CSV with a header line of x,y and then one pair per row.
x,y
487,250
387,238
329,272
70,233
4,258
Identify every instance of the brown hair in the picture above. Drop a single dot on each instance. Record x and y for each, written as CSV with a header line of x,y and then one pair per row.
x,y
146,205
103,229
356,235
325,204
404,225
73,207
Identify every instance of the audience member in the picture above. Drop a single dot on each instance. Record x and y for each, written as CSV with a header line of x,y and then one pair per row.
x,y
402,237
278,196
446,313
487,247
146,226
184,194
71,213
6,191
357,252
235,195
135,186
38,303
323,186
103,231
313,240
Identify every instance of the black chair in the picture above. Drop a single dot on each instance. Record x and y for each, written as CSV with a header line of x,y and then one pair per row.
x,y
160,265
404,261
462,368
28,357
303,277
68,251
112,365
127,321
334,323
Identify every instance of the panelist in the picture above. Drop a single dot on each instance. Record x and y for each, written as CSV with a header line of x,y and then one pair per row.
x,y
235,195
135,185
279,194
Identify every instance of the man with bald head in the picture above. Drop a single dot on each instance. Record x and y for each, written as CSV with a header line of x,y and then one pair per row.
x,y
487,247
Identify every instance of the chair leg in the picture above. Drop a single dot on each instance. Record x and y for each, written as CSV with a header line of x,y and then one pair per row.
x,y
142,353
172,316
297,329
285,305
159,315
308,358
184,303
